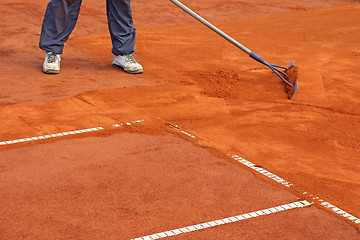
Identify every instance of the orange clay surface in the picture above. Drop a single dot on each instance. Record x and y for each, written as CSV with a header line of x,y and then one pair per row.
x,y
133,181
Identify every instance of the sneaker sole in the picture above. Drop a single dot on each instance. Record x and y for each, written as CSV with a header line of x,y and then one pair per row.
x,y
128,71
51,71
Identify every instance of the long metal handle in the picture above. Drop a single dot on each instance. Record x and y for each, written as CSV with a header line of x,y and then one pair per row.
x,y
212,27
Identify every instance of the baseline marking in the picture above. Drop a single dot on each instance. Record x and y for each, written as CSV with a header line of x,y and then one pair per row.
x,y
192,228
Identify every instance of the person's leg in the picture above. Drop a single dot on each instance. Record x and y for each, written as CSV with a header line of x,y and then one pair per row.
x,y
123,35
59,21
122,31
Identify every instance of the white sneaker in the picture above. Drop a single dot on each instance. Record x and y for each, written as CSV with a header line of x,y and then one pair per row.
x,y
128,63
52,63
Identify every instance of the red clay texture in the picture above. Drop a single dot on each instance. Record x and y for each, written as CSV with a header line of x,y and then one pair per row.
x,y
141,179
130,185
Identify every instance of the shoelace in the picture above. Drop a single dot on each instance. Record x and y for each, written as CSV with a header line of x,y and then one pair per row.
x,y
131,58
52,57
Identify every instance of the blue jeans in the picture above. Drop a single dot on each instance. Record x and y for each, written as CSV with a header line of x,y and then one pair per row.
x,y
61,17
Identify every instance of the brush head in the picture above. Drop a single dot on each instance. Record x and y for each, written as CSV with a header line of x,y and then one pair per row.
x,y
291,77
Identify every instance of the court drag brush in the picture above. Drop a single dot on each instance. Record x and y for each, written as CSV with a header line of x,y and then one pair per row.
x,y
287,74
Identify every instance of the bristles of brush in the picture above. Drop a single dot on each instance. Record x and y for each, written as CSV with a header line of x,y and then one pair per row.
x,y
291,77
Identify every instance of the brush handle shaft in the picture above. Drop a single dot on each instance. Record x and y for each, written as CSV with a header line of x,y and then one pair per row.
x,y
212,27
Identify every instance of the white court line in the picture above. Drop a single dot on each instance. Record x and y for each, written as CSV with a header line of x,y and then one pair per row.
x,y
62,134
278,179
54,135
127,123
192,228
322,202
243,161
176,127
262,171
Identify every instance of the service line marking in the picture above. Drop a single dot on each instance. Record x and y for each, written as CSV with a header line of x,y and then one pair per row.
x,y
245,216
278,179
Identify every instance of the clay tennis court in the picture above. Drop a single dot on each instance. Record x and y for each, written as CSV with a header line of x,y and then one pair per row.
x,y
204,144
